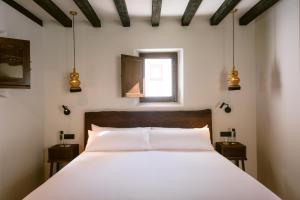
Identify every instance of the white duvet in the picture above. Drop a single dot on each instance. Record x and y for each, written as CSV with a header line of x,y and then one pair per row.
x,y
151,175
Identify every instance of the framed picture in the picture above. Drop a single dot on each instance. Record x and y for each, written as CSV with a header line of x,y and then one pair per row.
x,y
14,63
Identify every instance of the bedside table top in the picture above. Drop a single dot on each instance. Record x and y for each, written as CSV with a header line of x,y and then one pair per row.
x,y
230,145
59,146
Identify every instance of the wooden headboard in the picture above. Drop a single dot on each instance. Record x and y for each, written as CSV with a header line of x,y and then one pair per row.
x,y
125,119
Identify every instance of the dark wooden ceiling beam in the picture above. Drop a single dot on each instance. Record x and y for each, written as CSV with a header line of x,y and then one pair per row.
x,y
24,11
223,11
89,12
190,11
123,13
55,12
156,11
257,10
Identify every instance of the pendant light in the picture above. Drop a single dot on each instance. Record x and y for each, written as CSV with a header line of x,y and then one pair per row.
x,y
74,75
233,78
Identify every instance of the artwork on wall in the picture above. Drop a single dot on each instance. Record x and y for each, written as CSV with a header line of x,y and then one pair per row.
x,y
14,63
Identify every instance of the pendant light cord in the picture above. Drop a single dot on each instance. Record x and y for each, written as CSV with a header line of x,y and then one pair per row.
x,y
74,43
233,42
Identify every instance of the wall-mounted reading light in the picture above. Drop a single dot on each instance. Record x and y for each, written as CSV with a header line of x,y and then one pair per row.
x,y
227,108
66,110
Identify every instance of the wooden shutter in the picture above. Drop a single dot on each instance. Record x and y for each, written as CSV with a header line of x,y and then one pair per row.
x,y
132,73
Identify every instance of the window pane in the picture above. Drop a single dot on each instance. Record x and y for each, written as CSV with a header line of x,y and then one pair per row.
x,y
158,77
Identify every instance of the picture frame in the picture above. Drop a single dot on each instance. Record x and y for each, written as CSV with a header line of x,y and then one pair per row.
x,y
14,63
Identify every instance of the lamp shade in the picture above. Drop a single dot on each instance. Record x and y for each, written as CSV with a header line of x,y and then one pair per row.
x,y
234,80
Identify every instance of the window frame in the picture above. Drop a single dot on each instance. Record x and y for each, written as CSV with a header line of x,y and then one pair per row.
x,y
174,56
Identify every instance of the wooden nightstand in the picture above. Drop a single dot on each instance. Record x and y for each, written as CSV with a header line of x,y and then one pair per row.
x,y
233,151
61,154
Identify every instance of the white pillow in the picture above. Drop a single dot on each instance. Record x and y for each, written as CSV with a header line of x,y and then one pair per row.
x,y
119,141
181,140
91,135
97,129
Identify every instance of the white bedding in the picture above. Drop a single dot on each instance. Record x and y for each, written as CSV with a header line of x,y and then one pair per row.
x,y
151,175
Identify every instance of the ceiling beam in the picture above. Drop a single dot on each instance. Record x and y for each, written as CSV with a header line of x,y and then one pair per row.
x,y
190,11
123,13
55,12
223,11
89,12
24,11
257,10
156,10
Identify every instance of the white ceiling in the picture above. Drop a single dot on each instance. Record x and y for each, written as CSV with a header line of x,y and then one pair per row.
x,y
106,9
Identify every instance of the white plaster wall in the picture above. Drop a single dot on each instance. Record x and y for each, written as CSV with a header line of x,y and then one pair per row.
x,y
207,55
278,97
21,115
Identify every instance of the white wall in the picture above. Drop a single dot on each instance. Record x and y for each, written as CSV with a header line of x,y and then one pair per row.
x,y
21,115
207,54
278,97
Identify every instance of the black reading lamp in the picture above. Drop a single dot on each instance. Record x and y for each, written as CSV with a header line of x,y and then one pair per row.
x,y
227,108
66,110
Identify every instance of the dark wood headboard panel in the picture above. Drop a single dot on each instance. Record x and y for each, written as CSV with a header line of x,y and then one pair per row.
x,y
124,119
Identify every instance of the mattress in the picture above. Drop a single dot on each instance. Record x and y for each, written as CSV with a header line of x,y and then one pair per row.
x,y
151,175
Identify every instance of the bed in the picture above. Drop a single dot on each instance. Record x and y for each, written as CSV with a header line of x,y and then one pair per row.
x,y
151,174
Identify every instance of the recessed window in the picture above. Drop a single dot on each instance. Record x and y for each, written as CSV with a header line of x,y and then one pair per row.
x,y
160,77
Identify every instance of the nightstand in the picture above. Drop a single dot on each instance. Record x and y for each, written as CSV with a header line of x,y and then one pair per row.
x,y
61,154
233,151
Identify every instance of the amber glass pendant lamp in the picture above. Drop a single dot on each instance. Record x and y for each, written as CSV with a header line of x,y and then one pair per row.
x,y
233,78
74,75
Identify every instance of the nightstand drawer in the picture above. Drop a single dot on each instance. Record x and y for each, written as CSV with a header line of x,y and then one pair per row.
x,y
59,153
55,154
234,152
